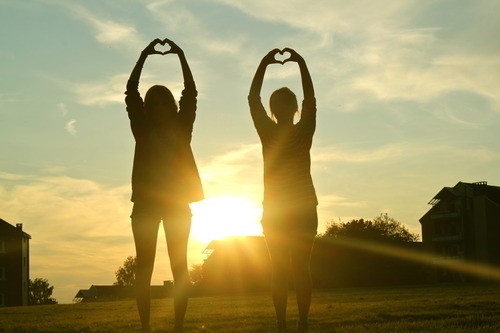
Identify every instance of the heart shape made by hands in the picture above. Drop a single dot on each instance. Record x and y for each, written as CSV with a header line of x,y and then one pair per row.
x,y
163,47
282,56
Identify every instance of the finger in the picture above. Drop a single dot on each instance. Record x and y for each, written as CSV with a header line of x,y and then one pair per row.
x,y
289,50
274,51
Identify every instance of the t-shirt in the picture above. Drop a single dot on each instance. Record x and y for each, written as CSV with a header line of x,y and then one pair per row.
x,y
286,153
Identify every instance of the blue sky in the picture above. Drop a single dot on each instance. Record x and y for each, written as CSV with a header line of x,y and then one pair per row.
x,y
407,92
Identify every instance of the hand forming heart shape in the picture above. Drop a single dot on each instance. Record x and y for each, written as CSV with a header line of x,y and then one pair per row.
x,y
163,50
282,56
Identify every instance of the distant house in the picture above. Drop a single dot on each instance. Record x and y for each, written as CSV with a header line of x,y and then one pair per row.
x,y
464,223
112,292
236,264
14,264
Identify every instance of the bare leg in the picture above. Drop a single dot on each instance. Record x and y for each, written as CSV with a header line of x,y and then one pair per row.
x,y
177,230
145,236
280,261
301,247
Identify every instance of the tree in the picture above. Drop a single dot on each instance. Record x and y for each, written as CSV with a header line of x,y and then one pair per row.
x,y
40,292
125,275
196,274
366,253
383,228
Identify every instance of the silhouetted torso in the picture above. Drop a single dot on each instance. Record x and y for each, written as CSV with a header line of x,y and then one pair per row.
x,y
164,168
286,153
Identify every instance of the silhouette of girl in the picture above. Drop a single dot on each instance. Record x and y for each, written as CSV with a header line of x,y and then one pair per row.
x,y
289,218
165,179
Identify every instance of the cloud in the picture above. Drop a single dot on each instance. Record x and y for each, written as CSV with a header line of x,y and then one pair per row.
x,y
79,228
70,127
333,154
324,16
13,176
186,22
331,200
109,91
183,18
373,47
445,113
105,31
396,73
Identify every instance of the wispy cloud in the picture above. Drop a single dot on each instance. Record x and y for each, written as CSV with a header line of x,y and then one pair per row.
x,y
109,91
400,151
321,16
358,155
445,113
13,176
185,22
331,200
70,127
379,51
105,31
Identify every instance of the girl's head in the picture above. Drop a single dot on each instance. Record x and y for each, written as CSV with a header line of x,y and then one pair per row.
x,y
159,103
283,103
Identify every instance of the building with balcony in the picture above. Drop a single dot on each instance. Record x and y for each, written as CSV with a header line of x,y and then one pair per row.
x,y
464,223
14,264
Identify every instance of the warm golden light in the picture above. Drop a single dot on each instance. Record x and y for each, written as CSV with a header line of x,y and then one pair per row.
x,y
224,216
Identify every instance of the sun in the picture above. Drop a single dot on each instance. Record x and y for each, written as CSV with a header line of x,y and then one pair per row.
x,y
224,216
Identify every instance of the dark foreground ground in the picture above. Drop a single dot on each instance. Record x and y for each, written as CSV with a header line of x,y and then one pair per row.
x,y
462,308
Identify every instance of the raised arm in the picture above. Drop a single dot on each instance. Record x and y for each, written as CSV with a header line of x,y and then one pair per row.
x,y
307,84
187,103
135,105
136,72
258,78
186,71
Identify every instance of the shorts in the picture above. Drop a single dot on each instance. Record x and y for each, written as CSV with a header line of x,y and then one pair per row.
x,y
155,213
296,220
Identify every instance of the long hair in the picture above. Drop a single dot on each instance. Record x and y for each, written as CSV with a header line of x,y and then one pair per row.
x,y
162,93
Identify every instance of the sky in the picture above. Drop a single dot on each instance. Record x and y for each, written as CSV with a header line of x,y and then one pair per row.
x,y
407,94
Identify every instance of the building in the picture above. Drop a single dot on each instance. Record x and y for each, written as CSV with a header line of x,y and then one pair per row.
x,y
236,264
14,264
113,292
464,223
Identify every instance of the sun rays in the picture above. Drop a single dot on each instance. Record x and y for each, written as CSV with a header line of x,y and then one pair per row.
x,y
461,266
224,216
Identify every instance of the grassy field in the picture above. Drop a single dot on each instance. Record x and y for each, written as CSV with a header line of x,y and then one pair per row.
x,y
438,308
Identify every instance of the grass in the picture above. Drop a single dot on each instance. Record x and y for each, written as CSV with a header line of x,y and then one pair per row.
x,y
460,308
